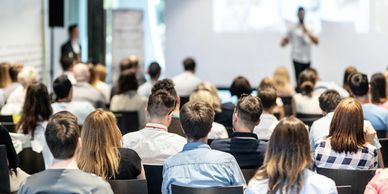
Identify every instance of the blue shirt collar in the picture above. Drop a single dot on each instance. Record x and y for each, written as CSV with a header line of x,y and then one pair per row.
x,y
195,145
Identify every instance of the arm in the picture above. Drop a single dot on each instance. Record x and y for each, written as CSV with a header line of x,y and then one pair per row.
x,y
141,176
312,37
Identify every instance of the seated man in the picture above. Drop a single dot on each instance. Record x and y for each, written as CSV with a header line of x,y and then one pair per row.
x,y
63,90
268,121
198,165
187,82
153,143
244,144
63,139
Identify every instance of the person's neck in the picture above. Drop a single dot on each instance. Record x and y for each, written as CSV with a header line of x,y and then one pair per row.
x,y
64,100
202,140
268,111
159,121
242,129
363,99
64,164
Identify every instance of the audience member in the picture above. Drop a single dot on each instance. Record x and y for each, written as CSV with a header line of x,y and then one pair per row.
x,y
82,90
67,62
321,86
306,102
378,89
102,153
127,98
131,63
154,72
187,82
99,83
244,145
287,162
198,165
379,183
153,143
5,79
347,146
218,131
268,82
63,138
268,121
348,72
63,91
282,82
378,116
14,71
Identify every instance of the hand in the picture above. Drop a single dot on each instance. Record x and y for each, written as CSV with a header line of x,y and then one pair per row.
x,y
370,135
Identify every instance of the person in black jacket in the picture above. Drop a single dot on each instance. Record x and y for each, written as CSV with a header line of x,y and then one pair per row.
x,y
5,139
72,48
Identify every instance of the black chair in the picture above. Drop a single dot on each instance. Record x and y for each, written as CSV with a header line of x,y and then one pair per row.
x,y
384,150
176,127
308,119
6,119
381,133
208,190
346,189
154,176
230,131
129,186
184,100
357,179
30,161
127,121
11,127
287,105
248,173
4,172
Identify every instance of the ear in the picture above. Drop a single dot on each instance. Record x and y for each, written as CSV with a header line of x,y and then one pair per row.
x,y
235,117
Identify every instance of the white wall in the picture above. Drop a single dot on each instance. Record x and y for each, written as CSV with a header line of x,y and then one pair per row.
x,y
221,57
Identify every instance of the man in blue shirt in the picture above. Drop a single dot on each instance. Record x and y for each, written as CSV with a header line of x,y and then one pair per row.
x,y
378,116
198,165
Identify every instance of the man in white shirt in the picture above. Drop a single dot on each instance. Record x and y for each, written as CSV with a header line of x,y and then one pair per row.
x,y
301,38
154,73
153,143
186,82
268,121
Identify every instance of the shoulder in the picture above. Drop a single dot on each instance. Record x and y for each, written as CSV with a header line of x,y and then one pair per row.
x,y
313,178
218,126
221,144
129,137
257,186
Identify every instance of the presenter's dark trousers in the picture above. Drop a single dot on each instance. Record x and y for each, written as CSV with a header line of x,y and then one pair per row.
x,y
299,67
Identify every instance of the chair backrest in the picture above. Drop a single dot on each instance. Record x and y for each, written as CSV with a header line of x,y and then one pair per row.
x,y
230,131
129,186
184,100
4,172
287,101
154,176
31,162
11,127
208,190
381,133
308,119
357,179
127,121
248,173
346,189
6,119
384,150
176,127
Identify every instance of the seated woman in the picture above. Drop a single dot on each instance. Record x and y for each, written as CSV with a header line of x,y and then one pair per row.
x,y
378,88
379,183
286,164
346,146
127,98
282,83
102,153
307,101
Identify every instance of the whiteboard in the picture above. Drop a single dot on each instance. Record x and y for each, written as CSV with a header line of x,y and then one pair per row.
x,y
127,36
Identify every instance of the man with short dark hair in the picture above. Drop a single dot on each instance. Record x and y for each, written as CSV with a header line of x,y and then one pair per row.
x,y
244,145
72,48
154,71
63,139
63,90
187,82
268,121
67,63
198,165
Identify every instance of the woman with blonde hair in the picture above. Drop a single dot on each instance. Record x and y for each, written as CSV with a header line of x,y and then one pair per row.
x,y
5,79
287,162
207,86
282,83
98,80
102,153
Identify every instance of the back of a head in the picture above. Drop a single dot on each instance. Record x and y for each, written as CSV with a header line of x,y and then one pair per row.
x,y
100,72
154,70
5,78
127,82
14,71
358,84
165,84
288,149
268,97
62,134
249,109
129,63
348,72
160,104
206,96
81,72
189,64
378,86
329,100
307,80
281,77
62,87
67,61
207,86
27,76
347,127
240,86
71,28
265,83
197,119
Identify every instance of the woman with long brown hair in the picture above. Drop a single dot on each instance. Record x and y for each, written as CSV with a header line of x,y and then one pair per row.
x,y
102,153
346,146
286,164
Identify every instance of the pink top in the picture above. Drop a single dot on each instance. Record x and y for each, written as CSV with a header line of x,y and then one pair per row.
x,y
379,183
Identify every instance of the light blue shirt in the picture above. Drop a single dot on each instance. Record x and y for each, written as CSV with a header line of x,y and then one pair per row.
x,y
376,115
81,109
200,166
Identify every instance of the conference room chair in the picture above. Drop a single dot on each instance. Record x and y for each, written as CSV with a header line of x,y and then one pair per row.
x,y
127,121
129,186
287,101
381,133
345,189
4,172
176,189
384,150
176,127
30,161
11,127
184,100
357,179
154,176
230,131
6,119
248,173
308,119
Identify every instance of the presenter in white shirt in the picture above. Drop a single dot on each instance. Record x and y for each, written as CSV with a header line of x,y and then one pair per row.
x,y
301,37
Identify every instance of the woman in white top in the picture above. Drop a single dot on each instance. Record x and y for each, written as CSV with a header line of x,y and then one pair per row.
x,y
286,164
98,73
306,102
